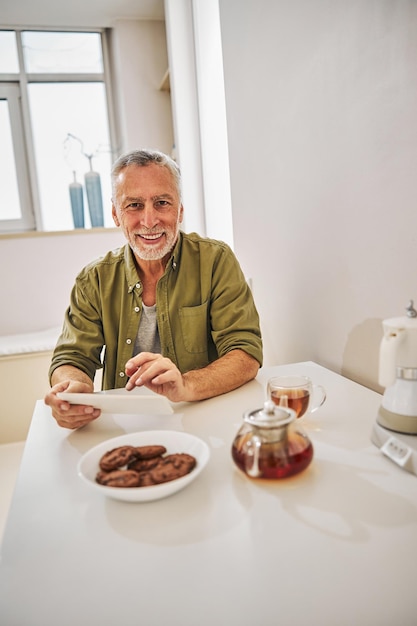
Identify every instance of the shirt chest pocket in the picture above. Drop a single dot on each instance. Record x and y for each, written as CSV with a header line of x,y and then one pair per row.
x,y
194,327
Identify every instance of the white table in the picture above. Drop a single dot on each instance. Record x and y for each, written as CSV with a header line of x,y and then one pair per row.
x,y
335,545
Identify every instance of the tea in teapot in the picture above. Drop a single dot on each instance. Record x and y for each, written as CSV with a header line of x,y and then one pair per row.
x,y
271,444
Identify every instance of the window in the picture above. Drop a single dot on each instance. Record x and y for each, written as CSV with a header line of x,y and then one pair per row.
x,y
54,130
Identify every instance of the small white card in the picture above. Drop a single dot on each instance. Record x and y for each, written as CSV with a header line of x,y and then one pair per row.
x,y
139,401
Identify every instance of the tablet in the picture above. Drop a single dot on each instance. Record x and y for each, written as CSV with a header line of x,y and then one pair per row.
x,y
138,401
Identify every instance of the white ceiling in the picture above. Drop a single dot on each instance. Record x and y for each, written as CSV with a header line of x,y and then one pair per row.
x,y
81,13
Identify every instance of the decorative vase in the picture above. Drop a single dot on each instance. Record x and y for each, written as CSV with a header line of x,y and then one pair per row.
x,y
77,202
94,196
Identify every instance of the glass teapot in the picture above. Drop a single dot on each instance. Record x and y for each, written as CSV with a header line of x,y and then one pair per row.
x,y
271,443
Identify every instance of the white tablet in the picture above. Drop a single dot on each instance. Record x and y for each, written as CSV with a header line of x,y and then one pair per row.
x,y
139,401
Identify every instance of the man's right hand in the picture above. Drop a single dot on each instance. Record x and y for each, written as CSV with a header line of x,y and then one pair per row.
x,y
71,415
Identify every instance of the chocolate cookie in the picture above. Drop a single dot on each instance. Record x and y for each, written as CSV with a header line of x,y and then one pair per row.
x,y
145,479
149,452
171,467
117,458
142,465
119,478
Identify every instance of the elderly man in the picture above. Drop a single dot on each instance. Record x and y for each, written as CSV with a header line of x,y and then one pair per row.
x,y
172,311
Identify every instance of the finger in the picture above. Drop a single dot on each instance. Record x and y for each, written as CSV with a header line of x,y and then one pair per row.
x,y
73,423
140,359
75,410
77,420
164,378
141,362
147,370
151,371
132,382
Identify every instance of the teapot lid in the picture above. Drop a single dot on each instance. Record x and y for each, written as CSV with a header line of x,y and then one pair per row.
x,y
270,416
407,321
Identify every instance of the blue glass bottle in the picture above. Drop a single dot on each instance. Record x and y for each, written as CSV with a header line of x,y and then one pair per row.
x,y
77,202
94,196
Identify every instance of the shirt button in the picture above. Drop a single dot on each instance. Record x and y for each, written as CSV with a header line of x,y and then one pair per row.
x,y
137,309
121,374
137,285
129,341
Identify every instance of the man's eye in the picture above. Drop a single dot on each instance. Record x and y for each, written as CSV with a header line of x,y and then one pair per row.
x,y
133,206
162,204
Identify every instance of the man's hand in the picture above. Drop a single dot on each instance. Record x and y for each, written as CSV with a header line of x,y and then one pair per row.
x,y
157,373
71,415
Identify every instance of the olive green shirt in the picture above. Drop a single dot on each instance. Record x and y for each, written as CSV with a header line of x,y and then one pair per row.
x,y
204,308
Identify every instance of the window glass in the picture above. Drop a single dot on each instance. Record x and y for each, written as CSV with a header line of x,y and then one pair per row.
x,y
50,52
70,125
10,204
53,115
9,62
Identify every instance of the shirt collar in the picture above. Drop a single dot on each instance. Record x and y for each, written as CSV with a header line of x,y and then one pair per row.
x,y
176,253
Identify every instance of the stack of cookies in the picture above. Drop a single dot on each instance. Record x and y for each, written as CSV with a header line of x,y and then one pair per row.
x,y
142,466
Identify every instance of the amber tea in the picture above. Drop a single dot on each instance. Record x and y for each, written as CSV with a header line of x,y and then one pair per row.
x,y
277,460
297,393
295,399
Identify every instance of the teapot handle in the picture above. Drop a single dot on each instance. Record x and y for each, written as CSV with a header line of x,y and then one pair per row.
x,y
253,447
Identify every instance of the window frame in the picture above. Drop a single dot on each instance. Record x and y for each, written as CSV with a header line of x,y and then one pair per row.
x,y
10,91
22,136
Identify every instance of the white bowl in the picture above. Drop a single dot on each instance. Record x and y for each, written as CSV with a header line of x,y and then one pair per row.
x,y
174,442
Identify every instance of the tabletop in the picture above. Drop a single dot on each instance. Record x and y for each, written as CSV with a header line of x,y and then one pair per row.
x,y
334,545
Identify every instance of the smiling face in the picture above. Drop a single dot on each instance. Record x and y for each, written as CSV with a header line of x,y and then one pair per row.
x,y
147,207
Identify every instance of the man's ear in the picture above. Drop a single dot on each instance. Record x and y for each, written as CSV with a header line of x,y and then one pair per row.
x,y
114,215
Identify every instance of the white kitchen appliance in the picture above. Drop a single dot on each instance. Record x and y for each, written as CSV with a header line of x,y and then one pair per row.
x,y
395,430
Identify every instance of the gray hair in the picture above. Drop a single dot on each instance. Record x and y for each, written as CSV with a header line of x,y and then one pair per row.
x,y
142,158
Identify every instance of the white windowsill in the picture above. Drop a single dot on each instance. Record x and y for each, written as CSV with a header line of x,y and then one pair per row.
x,y
55,233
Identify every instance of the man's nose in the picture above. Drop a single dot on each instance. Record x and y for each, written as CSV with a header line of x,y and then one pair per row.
x,y
149,217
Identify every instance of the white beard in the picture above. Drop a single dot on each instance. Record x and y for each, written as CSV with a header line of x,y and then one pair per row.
x,y
154,254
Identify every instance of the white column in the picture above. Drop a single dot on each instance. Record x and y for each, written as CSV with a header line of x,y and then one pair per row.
x,y
199,111
180,39
213,124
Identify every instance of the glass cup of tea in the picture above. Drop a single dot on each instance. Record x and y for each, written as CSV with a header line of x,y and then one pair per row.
x,y
297,393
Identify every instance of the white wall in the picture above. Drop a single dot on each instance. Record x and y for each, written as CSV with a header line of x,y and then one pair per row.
x,y
141,60
321,104
38,272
